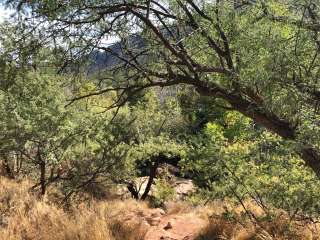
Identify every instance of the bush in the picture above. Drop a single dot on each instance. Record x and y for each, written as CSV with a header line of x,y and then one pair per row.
x,y
163,192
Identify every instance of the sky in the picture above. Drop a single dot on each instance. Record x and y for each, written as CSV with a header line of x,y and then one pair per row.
x,y
4,13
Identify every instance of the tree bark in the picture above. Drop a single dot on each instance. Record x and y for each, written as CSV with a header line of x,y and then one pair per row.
x,y
133,191
152,175
6,166
43,177
269,120
312,158
42,166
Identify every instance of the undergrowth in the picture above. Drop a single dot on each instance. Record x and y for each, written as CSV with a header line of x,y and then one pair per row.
x,y
24,216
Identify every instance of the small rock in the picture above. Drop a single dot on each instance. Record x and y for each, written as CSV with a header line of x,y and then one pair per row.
x,y
168,226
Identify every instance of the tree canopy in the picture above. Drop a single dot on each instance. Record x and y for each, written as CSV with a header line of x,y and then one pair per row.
x,y
100,94
259,57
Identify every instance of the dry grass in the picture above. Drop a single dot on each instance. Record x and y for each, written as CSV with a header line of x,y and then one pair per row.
x,y
238,228
174,207
23,216
221,229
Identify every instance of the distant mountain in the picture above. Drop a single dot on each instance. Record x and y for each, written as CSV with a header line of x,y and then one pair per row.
x,y
108,59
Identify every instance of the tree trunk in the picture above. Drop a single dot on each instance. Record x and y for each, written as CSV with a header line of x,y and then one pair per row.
x,y
269,120
311,158
6,167
133,191
43,177
42,166
152,175
282,128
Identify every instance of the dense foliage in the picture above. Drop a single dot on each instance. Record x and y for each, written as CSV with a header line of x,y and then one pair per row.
x,y
240,114
260,57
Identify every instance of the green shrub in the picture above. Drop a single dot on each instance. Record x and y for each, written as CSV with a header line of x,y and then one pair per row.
x,y
163,192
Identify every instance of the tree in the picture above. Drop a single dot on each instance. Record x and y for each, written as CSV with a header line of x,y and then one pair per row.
x,y
80,146
42,138
277,179
260,57
153,139
36,126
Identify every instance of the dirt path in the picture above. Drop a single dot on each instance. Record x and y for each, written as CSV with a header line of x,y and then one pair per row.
x,y
170,225
176,227
159,225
